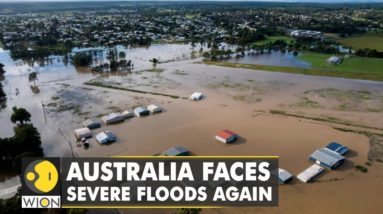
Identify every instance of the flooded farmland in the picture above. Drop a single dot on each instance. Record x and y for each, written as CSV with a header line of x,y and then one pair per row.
x,y
280,114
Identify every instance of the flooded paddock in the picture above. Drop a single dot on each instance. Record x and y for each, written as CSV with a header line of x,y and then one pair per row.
x,y
237,99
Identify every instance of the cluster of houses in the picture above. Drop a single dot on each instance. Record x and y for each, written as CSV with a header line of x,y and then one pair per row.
x,y
109,28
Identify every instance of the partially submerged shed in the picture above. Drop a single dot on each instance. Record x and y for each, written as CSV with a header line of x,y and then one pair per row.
x,y
141,111
82,133
327,158
177,151
310,173
113,118
127,114
105,137
226,136
284,176
154,109
91,124
196,96
337,147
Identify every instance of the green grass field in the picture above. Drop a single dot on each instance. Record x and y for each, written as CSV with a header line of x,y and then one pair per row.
x,y
351,64
351,68
371,41
287,39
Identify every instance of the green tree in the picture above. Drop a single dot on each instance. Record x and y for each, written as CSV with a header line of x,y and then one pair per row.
x,y
154,61
2,71
28,138
3,97
20,115
82,59
122,55
33,77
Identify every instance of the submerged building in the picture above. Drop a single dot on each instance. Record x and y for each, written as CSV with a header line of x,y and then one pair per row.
x,y
327,158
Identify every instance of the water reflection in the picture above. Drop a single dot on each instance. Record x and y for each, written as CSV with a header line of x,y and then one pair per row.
x,y
274,58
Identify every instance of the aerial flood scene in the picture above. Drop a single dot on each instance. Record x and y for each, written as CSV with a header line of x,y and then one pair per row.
x,y
140,78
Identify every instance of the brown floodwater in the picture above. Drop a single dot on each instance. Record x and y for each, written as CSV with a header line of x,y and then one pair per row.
x,y
194,124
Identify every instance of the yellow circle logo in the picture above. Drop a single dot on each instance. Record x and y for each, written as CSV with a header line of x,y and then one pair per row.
x,y
41,176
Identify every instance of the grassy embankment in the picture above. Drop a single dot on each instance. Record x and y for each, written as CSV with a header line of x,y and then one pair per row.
x,y
351,68
272,39
100,84
371,41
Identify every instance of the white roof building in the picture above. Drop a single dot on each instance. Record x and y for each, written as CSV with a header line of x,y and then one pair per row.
x,y
154,109
196,96
127,114
310,173
82,133
112,118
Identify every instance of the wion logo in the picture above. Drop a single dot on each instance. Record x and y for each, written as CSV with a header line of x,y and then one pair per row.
x,y
41,183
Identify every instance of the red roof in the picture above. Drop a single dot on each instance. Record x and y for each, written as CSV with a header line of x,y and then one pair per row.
x,y
225,134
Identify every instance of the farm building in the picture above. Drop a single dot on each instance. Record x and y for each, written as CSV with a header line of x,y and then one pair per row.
x,y
196,96
82,133
327,158
284,176
226,136
106,137
334,60
141,111
338,148
127,114
154,109
113,118
310,173
176,151
91,124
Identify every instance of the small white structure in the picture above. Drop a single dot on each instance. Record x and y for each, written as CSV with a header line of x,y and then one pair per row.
x,y
112,118
226,136
82,133
154,109
105,137
196,96
127,114
310,173
334,60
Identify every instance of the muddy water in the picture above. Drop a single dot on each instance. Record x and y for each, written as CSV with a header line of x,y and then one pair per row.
x,y
194,124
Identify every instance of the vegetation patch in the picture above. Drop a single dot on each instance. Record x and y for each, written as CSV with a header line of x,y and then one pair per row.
x,y
305,102
272,39
100,84
361,168
326,119
156,70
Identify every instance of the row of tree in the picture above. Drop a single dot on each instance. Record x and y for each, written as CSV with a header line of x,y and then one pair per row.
x,y
369,53
3,96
